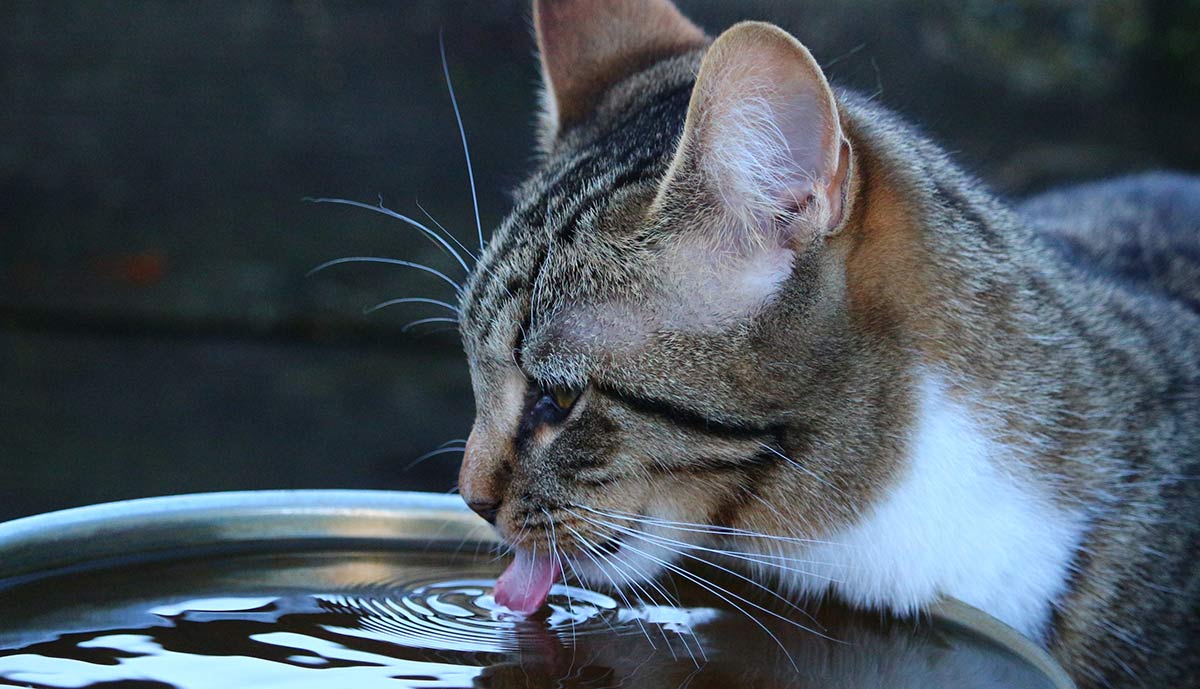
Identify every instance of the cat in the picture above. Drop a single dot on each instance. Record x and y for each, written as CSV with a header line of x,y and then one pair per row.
x,y
736,313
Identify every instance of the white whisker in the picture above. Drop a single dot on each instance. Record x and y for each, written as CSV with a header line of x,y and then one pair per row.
x,y
745,555
432,453
421,321
648,538
410,300
388,261
587,547
554,551
711,529
722,593
446,232
575,575
800,467
667,600
463,134
380,208
762,559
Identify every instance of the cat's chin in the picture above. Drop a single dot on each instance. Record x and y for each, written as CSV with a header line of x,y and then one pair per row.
x,y
629,564
623,570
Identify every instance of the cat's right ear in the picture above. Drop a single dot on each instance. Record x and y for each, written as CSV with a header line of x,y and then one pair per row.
x,y
763,143
761,173
586,46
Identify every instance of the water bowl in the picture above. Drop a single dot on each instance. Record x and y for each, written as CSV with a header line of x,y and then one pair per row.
x,y
363,589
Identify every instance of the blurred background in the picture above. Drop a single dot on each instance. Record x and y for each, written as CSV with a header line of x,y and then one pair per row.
x,y
157,331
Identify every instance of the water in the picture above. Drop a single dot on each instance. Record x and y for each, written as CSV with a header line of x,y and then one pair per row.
x,y
397,620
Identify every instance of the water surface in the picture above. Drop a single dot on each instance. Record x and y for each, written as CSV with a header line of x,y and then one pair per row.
x,y
397,620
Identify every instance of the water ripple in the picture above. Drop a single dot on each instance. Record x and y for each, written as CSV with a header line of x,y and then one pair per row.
x,y
461,615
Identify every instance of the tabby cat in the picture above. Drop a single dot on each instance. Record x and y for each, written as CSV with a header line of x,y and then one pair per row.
x,y
737,309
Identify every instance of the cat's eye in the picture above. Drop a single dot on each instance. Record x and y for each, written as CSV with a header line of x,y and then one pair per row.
x,y
564,397
552,404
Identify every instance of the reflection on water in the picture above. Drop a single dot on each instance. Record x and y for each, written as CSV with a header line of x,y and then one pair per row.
x,y
313,620
462,616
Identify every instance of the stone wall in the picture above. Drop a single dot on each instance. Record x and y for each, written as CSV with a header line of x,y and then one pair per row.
x,y
157,330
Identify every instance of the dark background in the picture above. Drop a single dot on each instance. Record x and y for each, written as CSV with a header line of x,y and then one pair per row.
x,y
157,331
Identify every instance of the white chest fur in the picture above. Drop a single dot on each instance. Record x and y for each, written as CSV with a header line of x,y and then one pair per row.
x,y
956,523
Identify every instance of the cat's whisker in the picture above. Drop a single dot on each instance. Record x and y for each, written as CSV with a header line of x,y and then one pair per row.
x,y
633,582
631,574
722,593
588,548
784,519
649,581
758,558
575,574
463,134
844,55
649,540
695,527
557,555
725,595
410,300
421,321
762,559
803,469
388,261
380,208
667,600
448,233
501,550
675,547
430,454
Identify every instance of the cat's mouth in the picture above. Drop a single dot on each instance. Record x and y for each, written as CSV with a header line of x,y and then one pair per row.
x,y
526,583
622,549
609,547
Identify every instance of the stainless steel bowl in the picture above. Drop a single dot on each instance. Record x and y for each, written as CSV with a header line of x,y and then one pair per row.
x,y
58,546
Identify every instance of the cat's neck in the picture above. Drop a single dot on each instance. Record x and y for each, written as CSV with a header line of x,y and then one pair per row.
x,y
957,285
971,289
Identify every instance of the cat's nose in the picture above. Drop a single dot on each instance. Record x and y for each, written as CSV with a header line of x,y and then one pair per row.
x,y
482,480
486,508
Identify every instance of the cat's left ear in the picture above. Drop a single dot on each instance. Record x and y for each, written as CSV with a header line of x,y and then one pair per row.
x,y
763,143
587,46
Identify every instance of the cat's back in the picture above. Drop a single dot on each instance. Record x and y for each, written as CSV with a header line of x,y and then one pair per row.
x,y
1134,243
1143,230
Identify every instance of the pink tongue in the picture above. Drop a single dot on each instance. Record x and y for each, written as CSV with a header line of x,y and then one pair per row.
x,y
525,584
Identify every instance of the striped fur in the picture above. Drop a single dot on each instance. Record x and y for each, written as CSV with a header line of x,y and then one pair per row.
x,y
1064,332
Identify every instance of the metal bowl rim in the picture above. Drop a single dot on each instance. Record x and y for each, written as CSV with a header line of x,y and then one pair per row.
x,y
39,545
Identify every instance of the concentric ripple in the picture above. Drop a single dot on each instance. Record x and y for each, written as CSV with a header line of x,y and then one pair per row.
x,y
461,615
373,620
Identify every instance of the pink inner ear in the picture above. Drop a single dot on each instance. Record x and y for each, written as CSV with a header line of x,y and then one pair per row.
x,y
774,154
809,138
763,130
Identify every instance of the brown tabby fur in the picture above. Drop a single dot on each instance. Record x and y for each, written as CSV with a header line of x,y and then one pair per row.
x,y
1071,322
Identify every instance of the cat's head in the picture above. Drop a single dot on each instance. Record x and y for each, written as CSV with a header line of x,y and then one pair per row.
x,y
659,331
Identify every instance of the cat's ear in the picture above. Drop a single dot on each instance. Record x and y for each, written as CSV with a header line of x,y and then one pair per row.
x,y
762,141
588,45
